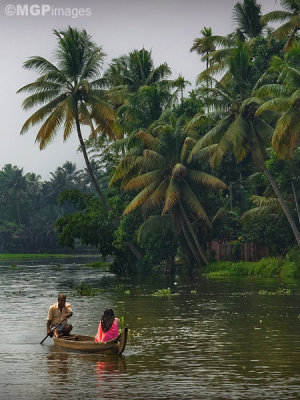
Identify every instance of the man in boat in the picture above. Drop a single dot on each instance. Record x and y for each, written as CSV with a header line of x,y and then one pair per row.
x,y
58,314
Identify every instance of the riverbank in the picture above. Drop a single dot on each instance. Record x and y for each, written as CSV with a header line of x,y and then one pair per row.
x,y
286,267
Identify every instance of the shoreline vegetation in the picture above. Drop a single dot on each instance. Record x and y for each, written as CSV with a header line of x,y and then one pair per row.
x,y
269,267
17,256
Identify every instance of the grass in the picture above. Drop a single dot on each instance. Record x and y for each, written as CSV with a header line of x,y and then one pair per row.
x,y
270,267
9,256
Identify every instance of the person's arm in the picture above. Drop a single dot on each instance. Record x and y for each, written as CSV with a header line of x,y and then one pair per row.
x,y
48,326
49,320
69,308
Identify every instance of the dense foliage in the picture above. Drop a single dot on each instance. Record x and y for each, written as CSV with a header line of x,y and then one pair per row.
x,y
171,170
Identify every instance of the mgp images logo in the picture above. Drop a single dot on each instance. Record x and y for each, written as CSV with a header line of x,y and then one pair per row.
x,y
42,10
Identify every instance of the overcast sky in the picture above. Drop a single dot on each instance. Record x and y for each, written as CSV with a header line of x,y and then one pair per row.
x,y
166,27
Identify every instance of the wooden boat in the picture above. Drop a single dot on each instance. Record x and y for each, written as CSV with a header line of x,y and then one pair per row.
x,y
88,344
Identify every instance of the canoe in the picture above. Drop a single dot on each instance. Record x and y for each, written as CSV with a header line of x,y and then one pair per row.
x,y
88,344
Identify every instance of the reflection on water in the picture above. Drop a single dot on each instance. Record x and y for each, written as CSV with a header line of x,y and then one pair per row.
x,y
213,340
110,365
58,367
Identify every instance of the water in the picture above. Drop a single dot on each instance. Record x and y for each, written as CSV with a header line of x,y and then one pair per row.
x,y
216,339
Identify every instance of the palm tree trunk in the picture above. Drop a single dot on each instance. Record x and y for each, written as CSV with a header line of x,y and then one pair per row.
x,y
132,247
18,209
189,225
88,166
282,202
190,245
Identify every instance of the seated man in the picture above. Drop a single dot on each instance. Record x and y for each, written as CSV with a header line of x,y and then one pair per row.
x,y
59,312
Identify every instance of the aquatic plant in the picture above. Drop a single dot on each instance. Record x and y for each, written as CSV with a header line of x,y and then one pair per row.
x,y
278,292
86,290
164,292
56,267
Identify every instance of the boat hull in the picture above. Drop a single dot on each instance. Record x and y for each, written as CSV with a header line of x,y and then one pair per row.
x,y
87,344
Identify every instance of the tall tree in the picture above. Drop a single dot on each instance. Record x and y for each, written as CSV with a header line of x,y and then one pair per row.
x,y
165,182
135,70
241,131
246,16
283,98
70,93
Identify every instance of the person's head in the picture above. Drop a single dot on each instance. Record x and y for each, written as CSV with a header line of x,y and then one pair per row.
x,y
61,299
107,319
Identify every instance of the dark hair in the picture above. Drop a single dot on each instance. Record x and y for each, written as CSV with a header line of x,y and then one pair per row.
x,y
61,295
107,319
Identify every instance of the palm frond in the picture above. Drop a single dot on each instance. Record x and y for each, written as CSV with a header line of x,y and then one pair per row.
x,y
194,204
172,196
157,198
179,170
212,137
49,128
140,198
152,159
155,224
272,90
40,114
147,139
143,180
39,98
205,179
278,105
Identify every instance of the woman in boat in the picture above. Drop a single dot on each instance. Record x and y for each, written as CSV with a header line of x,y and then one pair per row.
x,y
108,328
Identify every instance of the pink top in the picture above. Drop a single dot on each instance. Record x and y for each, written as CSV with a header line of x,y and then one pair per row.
x,y
111,334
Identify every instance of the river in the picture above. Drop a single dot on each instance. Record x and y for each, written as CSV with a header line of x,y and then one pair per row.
x,y
212,339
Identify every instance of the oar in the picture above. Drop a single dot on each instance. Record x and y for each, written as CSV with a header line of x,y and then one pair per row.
x,y
48,334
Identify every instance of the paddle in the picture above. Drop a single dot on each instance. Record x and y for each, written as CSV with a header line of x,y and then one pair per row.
x,y
48,334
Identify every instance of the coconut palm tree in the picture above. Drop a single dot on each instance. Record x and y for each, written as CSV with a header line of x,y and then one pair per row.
x,y
158,170
217,50
291,15
135,70
246,16
69,93
15,185
283,98
180,84
205,44
241,130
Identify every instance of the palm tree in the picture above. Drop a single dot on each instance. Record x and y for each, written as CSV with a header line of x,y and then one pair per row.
x,y
180,84
15,184
158,170
246,16
135,70
241,130
283,98
205,45
217,50
70,94
290,28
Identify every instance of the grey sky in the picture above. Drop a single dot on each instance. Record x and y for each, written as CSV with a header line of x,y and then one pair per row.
x,y
166,27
